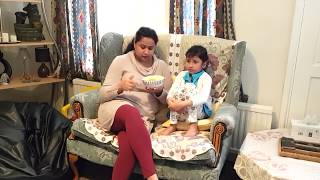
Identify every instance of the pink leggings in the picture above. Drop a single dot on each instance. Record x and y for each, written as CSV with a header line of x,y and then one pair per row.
x,y
134,143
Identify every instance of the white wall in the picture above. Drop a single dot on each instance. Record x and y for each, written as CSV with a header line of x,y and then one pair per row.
x,y
126,16
266,27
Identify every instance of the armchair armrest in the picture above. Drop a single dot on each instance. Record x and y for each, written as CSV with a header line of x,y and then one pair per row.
x,y
85,104
226,114
222,126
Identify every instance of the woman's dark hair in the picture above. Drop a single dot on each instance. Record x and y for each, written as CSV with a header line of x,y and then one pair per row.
x,y
199,51
141,33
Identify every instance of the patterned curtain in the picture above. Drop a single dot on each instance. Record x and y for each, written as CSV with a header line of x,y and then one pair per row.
x,y
61,30
203,17
224,23
77,37
192,17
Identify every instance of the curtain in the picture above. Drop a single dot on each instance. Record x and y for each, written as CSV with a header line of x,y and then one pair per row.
x,y
224,23
77,37
59,11
202,17
192,17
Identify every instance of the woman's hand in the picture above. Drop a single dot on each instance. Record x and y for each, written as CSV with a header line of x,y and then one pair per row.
x,y
156,91
126,84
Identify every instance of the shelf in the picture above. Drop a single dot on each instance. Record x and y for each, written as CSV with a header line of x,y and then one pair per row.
x,y
16,83
33,1
24,43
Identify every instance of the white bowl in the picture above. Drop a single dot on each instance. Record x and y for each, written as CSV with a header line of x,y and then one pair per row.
x,y
153,81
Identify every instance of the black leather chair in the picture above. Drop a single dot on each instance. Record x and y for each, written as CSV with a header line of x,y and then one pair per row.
x,y
32,141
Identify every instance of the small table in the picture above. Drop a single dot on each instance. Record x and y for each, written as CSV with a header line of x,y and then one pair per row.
x,y
259,159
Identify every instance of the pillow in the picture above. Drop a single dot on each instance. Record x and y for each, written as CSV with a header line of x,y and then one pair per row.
x,y
203,124
219,70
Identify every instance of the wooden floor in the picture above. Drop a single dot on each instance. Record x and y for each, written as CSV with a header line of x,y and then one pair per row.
x,y
91,171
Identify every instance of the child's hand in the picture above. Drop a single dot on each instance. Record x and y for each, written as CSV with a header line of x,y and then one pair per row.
x,y
170,101
178,106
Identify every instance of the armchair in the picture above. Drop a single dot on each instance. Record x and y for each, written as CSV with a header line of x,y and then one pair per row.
x,y
32,141
169,48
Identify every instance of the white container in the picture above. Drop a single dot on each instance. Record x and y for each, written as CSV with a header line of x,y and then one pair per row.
x,y
307,130
5,37
13,38
153,81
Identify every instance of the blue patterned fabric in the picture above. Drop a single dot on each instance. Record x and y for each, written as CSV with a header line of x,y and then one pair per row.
x,y
83,37
192,78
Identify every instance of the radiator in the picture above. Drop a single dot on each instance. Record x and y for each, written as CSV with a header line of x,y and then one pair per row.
x,y
252,117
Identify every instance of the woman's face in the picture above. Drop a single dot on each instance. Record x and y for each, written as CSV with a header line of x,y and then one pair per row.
x,y
144,49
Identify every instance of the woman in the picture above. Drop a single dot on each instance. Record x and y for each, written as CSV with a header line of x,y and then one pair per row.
x,y
126,107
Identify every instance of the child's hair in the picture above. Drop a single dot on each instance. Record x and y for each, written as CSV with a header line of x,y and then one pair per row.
x,y
141,33
199,51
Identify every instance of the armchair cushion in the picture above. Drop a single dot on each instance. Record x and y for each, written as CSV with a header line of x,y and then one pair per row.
x,y
191,150
219,70
83,130
203,124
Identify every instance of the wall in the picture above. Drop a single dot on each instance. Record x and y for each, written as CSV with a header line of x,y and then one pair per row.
x,y
266,27
125,17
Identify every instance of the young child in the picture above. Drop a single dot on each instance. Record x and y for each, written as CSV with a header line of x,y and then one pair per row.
x,y
189,96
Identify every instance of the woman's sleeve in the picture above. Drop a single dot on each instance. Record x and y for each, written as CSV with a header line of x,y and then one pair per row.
x,y
111,84
204,86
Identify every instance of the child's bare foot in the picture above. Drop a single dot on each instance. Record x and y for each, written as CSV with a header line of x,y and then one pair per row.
x,y
192,131
168,130
153,177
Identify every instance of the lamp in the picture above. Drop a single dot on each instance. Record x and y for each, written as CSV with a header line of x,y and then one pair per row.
x,y
42,55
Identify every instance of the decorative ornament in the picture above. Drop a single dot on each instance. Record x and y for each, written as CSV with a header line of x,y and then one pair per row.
x,y
6,65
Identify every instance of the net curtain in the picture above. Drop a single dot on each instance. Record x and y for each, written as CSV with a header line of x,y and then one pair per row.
x,y
202,17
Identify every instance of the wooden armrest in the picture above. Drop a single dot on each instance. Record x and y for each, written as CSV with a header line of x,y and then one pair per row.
x,y
77,108
218,133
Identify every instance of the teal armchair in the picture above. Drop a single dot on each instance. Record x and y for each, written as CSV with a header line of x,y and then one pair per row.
x,y
208,166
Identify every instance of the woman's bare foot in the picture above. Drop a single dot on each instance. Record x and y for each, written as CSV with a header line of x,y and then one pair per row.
x,y
153,177
168,130
192,131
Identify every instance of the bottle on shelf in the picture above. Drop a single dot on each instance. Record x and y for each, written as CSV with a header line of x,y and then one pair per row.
x,y
24,55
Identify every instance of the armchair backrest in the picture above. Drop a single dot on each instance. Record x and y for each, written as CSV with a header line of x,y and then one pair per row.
x,y
172,48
